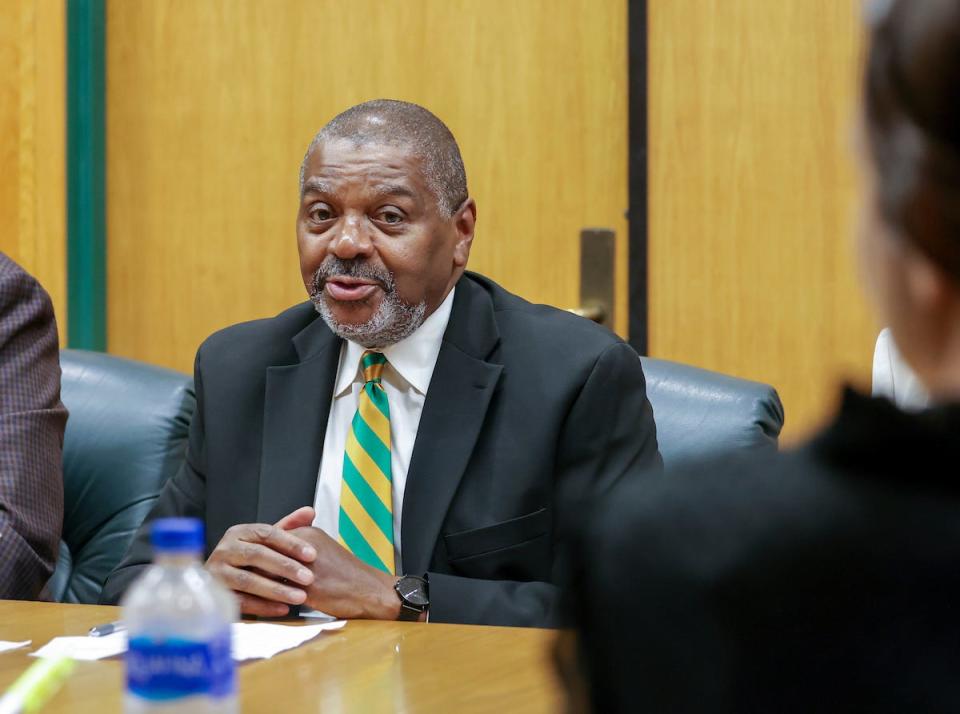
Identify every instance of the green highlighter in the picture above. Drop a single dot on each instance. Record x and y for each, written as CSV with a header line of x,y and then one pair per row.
x,y
35,686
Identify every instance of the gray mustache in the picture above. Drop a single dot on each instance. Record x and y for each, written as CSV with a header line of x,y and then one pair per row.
x,y
333,267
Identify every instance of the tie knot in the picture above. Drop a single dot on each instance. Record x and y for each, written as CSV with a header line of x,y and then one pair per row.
x,y
372,364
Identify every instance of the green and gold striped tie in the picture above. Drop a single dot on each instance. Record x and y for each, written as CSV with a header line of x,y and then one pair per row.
x,y
366,496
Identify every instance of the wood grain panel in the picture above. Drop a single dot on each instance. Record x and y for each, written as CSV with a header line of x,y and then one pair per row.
x,y
32,142
211,105
751,195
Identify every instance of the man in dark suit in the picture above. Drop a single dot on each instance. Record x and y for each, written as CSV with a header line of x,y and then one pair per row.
x,y
32,421
444,432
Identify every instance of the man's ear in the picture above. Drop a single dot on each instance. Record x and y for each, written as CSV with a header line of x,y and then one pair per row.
x,y
465,222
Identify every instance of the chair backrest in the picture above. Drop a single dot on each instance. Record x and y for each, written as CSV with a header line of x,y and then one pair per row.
x,y
126,435
700,414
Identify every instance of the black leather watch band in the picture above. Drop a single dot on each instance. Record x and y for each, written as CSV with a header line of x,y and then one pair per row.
x,y
407,613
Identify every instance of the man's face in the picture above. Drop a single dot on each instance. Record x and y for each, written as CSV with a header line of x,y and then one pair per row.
x,y
377,255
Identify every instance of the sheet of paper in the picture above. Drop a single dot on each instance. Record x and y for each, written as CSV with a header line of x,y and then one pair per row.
x,y
87,648
7,646
262,640
251,640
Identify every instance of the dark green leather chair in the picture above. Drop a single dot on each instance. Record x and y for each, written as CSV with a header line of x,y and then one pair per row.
x,y
700,414
126,435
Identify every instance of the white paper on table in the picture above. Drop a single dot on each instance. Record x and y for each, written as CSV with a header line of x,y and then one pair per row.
x,y
7,646
262,640
87,648
256,640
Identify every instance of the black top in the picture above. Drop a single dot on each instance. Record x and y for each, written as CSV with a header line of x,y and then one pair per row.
x,y
826,579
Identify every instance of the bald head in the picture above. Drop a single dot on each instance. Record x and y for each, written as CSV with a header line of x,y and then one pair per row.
x,y
394,123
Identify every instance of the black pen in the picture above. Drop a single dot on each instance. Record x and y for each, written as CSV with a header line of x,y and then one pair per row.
x,y
106,629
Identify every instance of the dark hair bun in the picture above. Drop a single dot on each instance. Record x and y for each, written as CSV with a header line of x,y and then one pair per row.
x,y
912,117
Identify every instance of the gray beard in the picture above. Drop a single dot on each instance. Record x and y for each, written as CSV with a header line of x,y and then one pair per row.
x,y
393,321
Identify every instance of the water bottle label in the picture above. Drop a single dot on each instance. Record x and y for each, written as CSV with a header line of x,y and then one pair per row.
x,y
175,668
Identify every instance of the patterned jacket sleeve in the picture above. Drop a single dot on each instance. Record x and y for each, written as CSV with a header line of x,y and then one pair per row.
x,y
32,420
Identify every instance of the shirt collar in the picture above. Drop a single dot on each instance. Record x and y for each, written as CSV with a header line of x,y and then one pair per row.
x,y
412,358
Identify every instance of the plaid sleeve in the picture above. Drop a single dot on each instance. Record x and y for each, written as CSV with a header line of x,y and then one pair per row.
x,y
32,420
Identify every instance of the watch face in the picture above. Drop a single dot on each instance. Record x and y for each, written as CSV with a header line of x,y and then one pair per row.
x,y
413,591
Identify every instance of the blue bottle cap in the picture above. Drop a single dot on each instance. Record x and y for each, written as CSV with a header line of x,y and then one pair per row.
x,y
177,534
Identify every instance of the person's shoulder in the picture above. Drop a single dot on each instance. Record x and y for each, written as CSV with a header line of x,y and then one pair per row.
x,y
713,511
694,485
11,270
258,342
547,327
19,286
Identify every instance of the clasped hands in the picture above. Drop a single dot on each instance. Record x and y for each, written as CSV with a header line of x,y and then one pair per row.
x,y
270,568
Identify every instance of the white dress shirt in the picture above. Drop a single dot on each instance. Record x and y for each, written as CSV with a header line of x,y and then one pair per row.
x,y
893,378
405,379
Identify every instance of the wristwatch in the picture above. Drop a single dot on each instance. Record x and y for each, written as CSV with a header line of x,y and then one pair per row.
x,y
414,593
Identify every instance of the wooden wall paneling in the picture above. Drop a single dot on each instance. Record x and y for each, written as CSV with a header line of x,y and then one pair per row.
x,y
32,185
210,106
10,126
752,192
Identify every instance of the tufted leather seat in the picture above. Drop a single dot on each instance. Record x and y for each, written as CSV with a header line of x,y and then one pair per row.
x,y
700,413
126,435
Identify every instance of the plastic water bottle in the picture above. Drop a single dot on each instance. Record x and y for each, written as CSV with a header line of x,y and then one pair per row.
x,y
178,620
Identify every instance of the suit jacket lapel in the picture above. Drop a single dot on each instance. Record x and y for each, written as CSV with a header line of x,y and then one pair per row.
x,y
296,407
453,413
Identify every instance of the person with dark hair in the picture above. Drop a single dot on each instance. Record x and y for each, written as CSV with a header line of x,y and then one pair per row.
x,y
32,420
826,578
417,436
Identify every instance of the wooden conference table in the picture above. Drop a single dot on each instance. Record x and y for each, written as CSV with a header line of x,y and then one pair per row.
x,y
365,667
